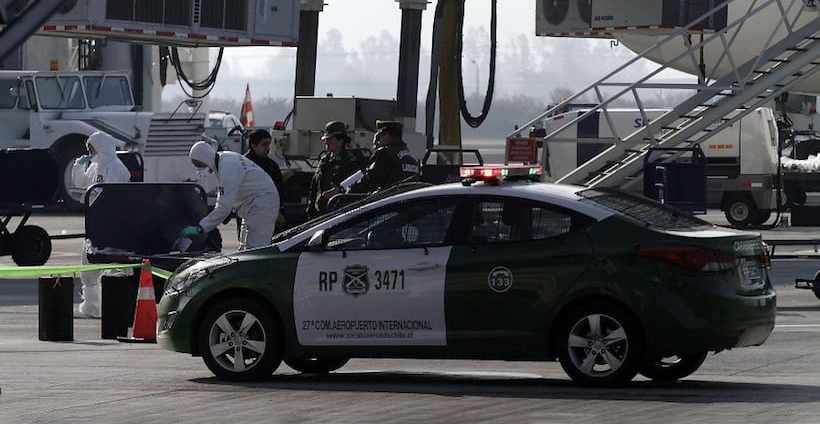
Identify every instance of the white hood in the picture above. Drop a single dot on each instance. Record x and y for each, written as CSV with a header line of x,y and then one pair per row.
x,y
204,153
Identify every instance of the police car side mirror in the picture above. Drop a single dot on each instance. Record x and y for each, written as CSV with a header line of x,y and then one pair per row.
x,y
316,240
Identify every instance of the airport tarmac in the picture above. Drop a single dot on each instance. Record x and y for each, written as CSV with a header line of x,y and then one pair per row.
x,y
91,380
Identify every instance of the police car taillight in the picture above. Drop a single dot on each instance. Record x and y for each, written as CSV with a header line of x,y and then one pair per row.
x,y
494,173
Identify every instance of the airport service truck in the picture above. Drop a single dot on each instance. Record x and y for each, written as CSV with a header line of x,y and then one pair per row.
x,y
742,160
59,110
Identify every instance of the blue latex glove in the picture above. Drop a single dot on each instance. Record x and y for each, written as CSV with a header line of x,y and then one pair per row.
x,y
190,231
82,160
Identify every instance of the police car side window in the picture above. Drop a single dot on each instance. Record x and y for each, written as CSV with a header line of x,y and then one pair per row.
x,y
510,220
408,225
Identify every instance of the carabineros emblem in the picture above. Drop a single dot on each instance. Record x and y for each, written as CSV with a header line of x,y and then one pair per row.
x,y
356,282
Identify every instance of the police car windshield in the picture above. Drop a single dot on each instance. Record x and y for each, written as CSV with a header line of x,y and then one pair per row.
x,y
400,188
646,211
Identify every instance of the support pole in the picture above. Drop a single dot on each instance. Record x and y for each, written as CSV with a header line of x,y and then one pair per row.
x,y
409,53
306,51
450,112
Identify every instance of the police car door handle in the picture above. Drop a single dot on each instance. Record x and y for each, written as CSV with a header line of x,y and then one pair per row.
x,y
424,266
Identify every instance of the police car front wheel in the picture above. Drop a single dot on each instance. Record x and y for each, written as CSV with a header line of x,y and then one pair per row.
x,y
240,340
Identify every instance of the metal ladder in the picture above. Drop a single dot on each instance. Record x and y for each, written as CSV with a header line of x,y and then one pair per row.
x,y
715,105
19,25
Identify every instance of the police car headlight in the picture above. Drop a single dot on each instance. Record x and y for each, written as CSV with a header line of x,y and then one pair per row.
x,y
185,279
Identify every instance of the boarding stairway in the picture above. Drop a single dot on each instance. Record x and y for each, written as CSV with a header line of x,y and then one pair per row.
x,y
20,20
717,104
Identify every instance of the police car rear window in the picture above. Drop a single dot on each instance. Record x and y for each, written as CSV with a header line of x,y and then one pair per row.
x,y
646,211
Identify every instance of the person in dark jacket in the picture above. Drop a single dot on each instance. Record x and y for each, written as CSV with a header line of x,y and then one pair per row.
x,y
335,164
259,142
391,163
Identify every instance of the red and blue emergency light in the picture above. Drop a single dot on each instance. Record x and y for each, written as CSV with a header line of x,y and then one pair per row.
x,y
494,173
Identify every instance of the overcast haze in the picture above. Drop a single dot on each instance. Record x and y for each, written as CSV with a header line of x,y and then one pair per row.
x,y
359,45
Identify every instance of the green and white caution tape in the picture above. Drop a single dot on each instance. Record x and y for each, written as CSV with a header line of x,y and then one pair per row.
x,y
9,272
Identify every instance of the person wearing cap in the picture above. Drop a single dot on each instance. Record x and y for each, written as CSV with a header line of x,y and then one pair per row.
x,y
391,163
101,165
335,164
259,142
242,186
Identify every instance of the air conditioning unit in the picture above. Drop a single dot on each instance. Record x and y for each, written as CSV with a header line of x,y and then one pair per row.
x,y
567,18
597,18
654,14
193,23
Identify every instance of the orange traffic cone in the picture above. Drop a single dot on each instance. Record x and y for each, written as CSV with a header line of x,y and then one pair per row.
x,y
145,315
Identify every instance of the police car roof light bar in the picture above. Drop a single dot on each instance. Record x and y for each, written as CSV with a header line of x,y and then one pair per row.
x,y
494,173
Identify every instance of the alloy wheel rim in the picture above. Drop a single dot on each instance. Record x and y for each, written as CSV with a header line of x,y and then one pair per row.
x,y
237,340
597,345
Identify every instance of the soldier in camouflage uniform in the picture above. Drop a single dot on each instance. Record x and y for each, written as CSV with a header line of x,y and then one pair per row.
x,y
391,162
336,164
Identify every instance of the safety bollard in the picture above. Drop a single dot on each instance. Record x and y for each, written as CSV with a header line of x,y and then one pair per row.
x,y
118,294
56,308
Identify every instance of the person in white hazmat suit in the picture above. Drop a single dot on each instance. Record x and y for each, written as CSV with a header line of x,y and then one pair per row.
x,y
243,186
101,165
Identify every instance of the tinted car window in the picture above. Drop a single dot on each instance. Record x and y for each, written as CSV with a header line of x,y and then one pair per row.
x,y
646,211
394,190
417,224
498,221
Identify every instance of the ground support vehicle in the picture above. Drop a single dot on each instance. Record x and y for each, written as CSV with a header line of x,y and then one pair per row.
x,y
59,110
27,244
812,284
742,160
607,283
29,183
442,164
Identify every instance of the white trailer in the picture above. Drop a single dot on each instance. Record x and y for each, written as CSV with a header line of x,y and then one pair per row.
x,y
741,159
59,110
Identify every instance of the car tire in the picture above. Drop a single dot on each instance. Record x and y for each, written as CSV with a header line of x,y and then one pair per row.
x,y
741,211
31,246
72,196
816,286
262,344
316,365
600,345
672,368
795,194
763,215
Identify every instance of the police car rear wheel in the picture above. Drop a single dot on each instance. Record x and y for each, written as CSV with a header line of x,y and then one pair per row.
x,y
241,341
673,368
316,365
600,345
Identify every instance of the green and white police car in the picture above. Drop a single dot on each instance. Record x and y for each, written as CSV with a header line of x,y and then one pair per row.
x,y
607,283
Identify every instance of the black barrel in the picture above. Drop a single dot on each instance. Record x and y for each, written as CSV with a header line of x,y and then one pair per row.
x,y
56,303
119,294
